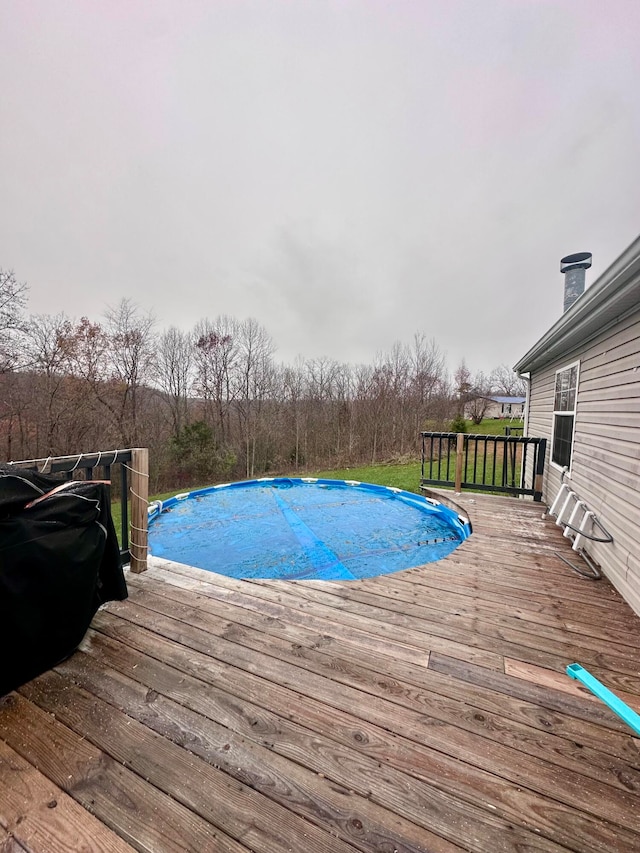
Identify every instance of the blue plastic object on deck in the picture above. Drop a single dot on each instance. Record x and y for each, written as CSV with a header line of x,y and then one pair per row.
x,y
627,714
303,529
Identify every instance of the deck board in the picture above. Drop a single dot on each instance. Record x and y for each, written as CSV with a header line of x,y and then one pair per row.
x,y
422,711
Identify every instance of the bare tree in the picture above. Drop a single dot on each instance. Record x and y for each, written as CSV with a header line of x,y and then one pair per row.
x,y
46,358
505,381
130,359
215,358
368,384
320,376
289,385
174,373
429,386
345,419
254,372
479,397
463,385
472,392
16,401
13,297
225,408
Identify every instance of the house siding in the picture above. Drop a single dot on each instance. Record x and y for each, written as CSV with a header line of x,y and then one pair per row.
x,y
605,467
495,410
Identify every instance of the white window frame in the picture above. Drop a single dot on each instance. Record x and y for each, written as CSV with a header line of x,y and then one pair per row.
x,y
564,412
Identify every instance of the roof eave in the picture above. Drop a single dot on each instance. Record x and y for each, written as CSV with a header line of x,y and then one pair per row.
x,y
611,295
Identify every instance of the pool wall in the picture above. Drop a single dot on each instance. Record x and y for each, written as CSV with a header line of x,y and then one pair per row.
x,y
291,536
460,522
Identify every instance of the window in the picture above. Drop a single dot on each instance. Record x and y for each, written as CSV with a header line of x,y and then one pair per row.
x,y
564,411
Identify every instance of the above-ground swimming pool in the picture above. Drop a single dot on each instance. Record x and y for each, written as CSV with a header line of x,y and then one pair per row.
x,y
303,529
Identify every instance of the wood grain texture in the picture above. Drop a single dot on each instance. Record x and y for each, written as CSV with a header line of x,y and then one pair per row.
x,y
510,722
263,824
121,799
37,816
560,681
9,843
421,711
139,490
431,766
390,702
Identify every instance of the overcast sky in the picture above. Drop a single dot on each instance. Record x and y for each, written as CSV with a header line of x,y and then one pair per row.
x,y
347,172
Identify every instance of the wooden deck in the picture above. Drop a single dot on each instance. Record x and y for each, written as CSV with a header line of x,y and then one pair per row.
x,y
422,711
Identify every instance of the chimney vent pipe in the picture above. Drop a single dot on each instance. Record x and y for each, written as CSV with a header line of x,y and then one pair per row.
x,y
573,267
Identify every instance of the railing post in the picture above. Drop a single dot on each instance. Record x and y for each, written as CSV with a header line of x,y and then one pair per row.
x,y
495,471
459,456
539,472
139,490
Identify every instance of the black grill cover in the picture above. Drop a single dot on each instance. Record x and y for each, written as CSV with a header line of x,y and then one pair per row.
x,y
59,561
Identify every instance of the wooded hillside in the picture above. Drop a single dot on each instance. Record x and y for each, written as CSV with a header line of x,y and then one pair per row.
x,y
212,403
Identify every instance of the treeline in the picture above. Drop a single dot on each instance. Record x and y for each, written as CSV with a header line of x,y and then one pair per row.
x,y
212,403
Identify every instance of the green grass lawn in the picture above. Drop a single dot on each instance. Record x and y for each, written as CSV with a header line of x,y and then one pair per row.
x,y
402,475
492,426
405,475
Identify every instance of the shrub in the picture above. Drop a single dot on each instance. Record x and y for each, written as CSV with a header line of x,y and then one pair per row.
x,y
458,424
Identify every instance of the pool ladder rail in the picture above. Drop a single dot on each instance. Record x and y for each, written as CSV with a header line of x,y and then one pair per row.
x,y
572,514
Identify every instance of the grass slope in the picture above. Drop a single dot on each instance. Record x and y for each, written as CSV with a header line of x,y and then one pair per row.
x,y
402,475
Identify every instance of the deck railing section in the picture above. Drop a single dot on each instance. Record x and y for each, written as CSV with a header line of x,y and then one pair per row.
x,y
511,464
131,484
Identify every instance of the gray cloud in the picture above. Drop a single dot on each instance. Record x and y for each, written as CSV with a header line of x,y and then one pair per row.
x,y
348,173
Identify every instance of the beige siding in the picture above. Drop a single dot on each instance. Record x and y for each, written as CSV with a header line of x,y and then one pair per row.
x,y
606,452
540,421
494,410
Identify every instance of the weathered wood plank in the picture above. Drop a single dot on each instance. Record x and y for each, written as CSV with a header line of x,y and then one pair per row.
x,y
39,817
119,798
458,571
454,602
139,505
506,594
545,697
503,641
416,641
271,607
9,844
474,617
553,613
401,708
286,623
495,724
294,787
223,802
560,681
431,766
340,795
426,710
273,622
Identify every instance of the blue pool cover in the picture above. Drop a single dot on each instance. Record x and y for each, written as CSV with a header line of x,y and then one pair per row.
x,y
303,529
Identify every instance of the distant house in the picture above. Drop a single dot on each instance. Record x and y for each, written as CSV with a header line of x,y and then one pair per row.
x,y
496,407
584,397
